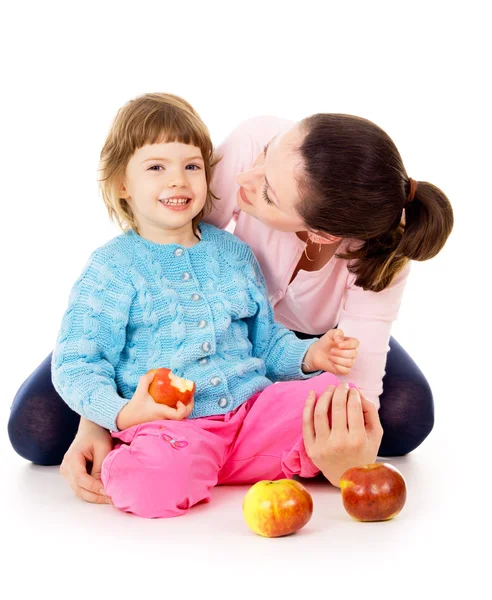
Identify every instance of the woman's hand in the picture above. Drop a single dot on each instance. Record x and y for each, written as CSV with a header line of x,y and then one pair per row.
x,y
142,408
352,438
90,447
333,353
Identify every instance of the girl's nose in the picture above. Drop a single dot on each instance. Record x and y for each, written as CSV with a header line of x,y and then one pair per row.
x,y
176,179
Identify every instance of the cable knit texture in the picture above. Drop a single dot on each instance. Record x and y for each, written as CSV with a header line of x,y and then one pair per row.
x,y
201,311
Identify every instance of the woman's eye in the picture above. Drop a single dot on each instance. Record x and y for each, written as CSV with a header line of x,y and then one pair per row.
x,y
265,195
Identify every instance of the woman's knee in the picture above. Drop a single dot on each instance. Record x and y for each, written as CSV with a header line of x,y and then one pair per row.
x,y
41,426
36,440
407,417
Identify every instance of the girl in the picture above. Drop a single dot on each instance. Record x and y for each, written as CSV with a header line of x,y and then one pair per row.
x,y
170,292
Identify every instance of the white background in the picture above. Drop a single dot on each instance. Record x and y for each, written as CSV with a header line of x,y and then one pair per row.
x,y
420,70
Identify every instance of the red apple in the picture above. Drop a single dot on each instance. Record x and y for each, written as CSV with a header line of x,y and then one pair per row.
x,y
168,388
276,508
375,492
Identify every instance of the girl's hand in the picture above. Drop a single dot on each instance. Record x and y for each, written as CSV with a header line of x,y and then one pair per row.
x,y
142,408
351,440
333,353
90,447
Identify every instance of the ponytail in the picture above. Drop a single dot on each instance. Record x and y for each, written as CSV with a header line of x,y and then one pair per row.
x,y
421,234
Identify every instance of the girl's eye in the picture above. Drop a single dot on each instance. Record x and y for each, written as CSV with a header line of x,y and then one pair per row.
x,y
265,195
155,167
196,167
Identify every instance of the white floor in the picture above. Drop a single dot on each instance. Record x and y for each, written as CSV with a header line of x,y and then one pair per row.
x,y
54,541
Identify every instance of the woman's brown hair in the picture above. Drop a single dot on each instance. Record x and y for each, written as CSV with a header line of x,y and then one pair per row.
x,y
355,186
150,119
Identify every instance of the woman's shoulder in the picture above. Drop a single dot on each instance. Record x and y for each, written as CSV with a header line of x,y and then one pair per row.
x,y
255,132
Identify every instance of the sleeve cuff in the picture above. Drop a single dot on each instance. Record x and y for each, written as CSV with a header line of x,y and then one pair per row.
x,y
293,355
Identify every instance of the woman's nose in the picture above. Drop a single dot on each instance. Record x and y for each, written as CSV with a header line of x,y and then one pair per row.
x,y
249,179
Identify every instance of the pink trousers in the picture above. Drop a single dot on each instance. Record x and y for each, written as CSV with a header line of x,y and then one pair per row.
x,y
163,468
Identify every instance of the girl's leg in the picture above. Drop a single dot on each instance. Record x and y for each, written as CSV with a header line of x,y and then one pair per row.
x,y
406,404
164,468
270,443
41,426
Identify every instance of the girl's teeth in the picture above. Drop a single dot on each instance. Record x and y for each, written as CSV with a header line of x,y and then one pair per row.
x,y
184,201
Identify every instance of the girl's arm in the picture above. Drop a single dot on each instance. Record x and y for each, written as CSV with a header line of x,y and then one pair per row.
x,y
91,339
238,152
368,316
281,350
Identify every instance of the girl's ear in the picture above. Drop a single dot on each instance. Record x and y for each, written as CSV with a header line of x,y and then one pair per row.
x,y
123,192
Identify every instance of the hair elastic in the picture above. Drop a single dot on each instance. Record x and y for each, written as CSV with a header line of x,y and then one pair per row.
x,y
413,188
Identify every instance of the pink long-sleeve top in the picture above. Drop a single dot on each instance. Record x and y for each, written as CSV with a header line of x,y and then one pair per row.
x,y
315,301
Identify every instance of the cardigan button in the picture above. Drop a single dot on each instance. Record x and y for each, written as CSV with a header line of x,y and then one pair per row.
x,y
203,361
215,381
178,252
185,276
196,297
222,402
206,346
202,324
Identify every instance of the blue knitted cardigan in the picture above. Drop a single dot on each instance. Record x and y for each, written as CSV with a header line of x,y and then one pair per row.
x,y
201,311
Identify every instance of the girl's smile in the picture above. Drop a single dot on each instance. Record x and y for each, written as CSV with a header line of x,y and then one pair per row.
x,y
176,203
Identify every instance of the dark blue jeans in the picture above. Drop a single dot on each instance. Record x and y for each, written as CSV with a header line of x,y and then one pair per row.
x,y
42,427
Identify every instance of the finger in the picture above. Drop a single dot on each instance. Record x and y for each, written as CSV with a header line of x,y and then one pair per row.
x,y
307,420
189,409
144,382
321,423
93,498
371,415
100,453
181,410
338,336
349,343
339,410
335,351
342,362
355,416
87,483
340,370
81,480
173,414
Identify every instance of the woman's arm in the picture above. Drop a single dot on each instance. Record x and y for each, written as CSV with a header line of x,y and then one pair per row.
x,y
81,466
368,316
238,152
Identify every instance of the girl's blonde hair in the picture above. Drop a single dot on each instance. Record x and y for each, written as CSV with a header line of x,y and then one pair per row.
x,y
150,119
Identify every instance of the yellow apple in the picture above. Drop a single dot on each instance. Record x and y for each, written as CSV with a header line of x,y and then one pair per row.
x,y
276,508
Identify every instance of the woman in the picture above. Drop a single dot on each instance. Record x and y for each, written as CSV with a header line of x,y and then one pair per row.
x,y
333,219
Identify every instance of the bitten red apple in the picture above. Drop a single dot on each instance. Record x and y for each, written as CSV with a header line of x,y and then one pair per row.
x,y
374,492
167,388
276,508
